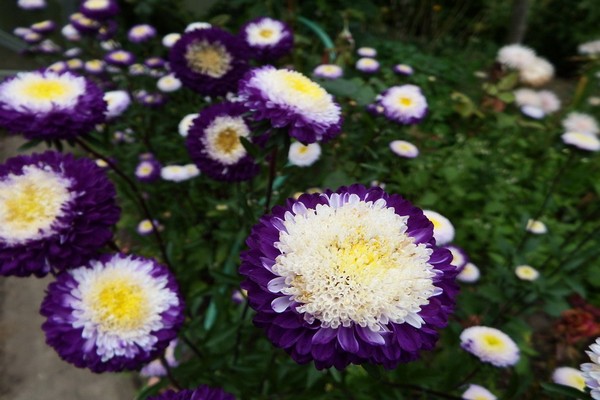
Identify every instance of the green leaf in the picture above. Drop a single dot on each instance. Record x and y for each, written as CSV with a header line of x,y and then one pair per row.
x,y
562,390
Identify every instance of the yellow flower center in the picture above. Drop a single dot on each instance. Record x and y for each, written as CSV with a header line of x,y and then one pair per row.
x,y
492,342
302,149
119,304
266,33
302,84
579,382
363,258
96,4
405,101
228,141
30,205
436,223
119,56
208,59
46,89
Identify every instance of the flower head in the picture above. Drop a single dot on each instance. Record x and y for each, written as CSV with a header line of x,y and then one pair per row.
x,y
120,58
469,273
476,392
591,371
583,141
368,65
536,227
589,48
537,73
366,52
146,227
116,312
31,4
99,9
214,143
304,155
83,24
168,83
569,377
197,25
179,173
148,170
324,273
580,122
170,39
289,99
49,105
54,212
328,71
526,273
94,67
404,149
201,393
117,101
209,61
403,104
490,345
46,26
268,38
141,33
403,69
516,56
70,33
443,230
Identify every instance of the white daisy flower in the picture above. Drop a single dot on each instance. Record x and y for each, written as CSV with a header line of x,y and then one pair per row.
x,y
304,156
168,83
569,377
117,102
490,345
366,52
404,104
516,56
443,230
537,227
328,71
583,141
527,273
369,65
469,274
404,149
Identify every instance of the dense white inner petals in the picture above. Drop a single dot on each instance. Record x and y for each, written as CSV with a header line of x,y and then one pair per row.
x,y
405,100
352,262
264,33
31,203
118,305
292,89
222,139
32,91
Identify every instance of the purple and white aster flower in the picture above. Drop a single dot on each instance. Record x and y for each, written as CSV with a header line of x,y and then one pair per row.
x,y
209,61
328,71
490,345
48,46
351,276
94,67
148,170
155,368
83,24
268,38
48,105
290,100
168,83
99,9
403,69
152,100
367,65
214,144
31,4
32,37
304,155
404,149
74,64
44,26
583,141
141,33
70,33
55,211
116,312
366,52
121,58
201,393
404,104
591,371
154,62
58,67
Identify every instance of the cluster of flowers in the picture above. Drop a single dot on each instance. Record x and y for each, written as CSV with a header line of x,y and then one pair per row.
x,y
533,70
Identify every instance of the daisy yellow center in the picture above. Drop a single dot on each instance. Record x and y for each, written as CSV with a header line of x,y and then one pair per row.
x,y
302,149
492,342
145,169
436,224
228,141
579,382
266,33
30,204
302,85
146,226
353,264
405,101
120,56
119,304
46,89
208,58
140,30
222,139
96,4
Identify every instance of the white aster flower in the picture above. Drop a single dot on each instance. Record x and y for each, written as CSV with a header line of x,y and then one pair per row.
x,y
31,4
170,39
443,230
174,173
304,156
516,56
469,274
265,32
490,345
366,64
366,52
580,122
328,71
476,392
145,227
191,170
591,371
117,102
403,148
186,123
537,73
168,83
404,104
197,25
589,48
537,227
569,377
583,141
527,273
527,97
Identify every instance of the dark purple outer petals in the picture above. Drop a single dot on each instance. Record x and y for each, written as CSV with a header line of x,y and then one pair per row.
x,y
203,392
282,116
86,224
58,123
243,170
328,347
73,348
202,83
272,52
